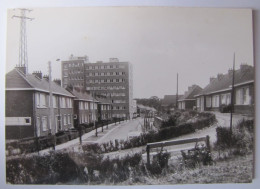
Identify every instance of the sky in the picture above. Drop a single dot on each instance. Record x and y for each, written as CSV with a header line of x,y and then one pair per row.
x,y
196,43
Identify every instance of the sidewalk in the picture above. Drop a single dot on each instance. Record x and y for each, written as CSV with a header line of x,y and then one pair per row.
x,y
89,137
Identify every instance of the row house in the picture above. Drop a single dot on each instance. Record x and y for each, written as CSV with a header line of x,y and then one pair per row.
x,y
218,92
85,107
27,111
104,108
188,100
88,109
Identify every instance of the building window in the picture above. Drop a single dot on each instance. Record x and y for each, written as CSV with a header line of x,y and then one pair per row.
x,y
208,101
44,123
55,101
69,119
65,119
242,96
38,126
215,101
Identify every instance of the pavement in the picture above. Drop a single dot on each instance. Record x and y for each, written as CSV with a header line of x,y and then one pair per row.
x,y
109,132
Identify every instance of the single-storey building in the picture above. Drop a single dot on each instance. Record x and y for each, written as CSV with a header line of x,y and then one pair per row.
x,y
218,92
188,100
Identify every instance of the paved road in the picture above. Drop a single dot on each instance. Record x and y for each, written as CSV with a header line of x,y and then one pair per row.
x,y
223,120
119,132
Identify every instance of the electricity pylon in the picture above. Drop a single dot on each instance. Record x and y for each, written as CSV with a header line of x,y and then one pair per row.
x,y
23,58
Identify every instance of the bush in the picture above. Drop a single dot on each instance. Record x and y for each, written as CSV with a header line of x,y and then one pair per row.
x,y
50,169
223,108
240,141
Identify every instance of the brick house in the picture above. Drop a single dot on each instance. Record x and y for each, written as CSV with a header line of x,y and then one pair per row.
x,y
104,108
218,92
84,107
27,111
188,100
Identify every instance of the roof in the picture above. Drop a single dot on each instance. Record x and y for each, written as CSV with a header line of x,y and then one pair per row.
x,y
170,100
84,96
190,94
103,100
16,80
146,107
224,81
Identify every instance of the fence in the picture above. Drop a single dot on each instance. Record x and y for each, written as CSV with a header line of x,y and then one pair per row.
x,y
175,142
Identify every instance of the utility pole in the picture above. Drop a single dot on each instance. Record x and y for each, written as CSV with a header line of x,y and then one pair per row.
x,y
51,110
23,58
177,91
232,95
94,114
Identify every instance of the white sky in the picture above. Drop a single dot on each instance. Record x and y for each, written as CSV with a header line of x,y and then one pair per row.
x,y
159,41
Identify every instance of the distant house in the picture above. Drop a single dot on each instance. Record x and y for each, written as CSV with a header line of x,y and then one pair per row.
x,y
169,102
145,110
188,100
84,107
218,92
27,110
104,108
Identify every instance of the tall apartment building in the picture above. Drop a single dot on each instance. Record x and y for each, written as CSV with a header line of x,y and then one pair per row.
x,y
112,79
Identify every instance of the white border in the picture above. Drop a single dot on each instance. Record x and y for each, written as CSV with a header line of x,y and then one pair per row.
x,y
254,4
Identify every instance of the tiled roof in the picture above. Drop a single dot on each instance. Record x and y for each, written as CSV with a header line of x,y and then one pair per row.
x,y
190,94
17,80
82,95
224,81
103,100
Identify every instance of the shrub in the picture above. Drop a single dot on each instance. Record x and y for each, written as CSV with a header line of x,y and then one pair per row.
x,y
223,108
240,141
50,169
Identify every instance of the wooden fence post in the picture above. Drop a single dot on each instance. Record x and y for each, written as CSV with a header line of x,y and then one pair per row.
x,y
148,154
207,142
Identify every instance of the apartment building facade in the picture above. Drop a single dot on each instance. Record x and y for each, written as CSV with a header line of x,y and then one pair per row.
x,y
112,80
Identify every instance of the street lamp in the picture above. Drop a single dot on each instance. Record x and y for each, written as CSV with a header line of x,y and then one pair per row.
x,y
94,113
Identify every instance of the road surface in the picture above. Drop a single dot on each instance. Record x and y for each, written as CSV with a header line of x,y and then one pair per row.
x,y
119,132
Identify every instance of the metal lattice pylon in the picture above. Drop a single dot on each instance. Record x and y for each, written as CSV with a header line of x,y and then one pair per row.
x,y
23,58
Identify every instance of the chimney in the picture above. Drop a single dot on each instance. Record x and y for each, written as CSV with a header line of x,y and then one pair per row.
x,y
211,79
22,69
37,74
220,76
57,81
46,77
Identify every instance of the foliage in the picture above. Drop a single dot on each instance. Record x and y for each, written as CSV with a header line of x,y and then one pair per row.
x,y
223,108
65,168
240,140
198,155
